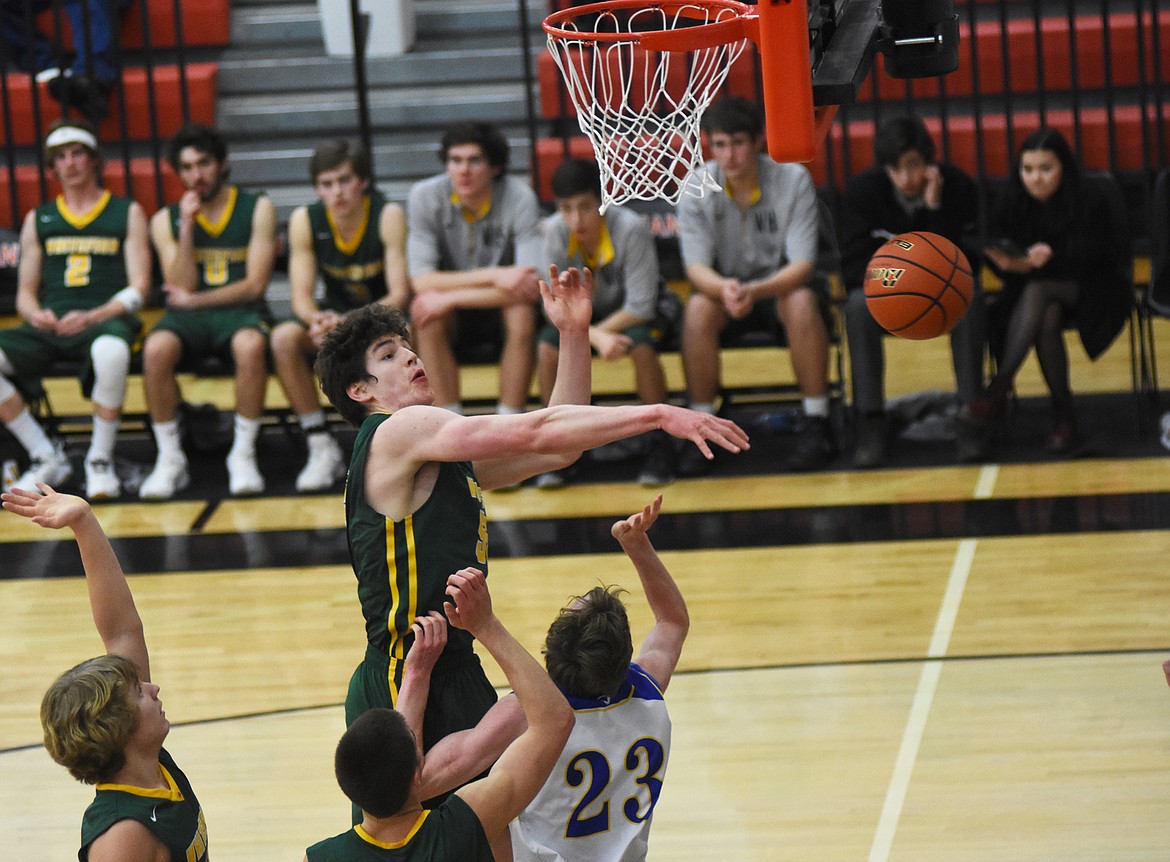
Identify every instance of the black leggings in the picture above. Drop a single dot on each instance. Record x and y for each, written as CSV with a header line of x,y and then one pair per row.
x,y
1038,320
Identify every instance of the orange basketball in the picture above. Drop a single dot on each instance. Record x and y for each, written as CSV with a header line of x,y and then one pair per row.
x,y
918,285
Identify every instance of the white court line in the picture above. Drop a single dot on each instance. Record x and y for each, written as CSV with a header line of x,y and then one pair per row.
x,y
986,482
944,625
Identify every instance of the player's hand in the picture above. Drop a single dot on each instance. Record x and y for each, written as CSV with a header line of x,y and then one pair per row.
x,y
610,345
1039,254
737,299
45,508
189,205
428,307
74,323
700,428
520,281
638,524
321,324
472,606
1166,670
44,319
180,298
430,638
568,298
932,188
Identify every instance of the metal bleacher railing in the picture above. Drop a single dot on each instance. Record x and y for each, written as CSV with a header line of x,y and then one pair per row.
x,y
163,51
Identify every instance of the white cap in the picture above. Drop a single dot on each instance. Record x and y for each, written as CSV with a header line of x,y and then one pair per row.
x,y
70,135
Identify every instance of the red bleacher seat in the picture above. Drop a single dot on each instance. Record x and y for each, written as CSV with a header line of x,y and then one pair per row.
x,y
205,23
142,175
1021,48
550,152
998,152
201,90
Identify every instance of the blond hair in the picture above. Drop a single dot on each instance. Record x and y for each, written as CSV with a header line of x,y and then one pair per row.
x,y
88,718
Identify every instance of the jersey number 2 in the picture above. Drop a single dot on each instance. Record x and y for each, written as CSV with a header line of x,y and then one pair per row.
x,y
645,758
77,267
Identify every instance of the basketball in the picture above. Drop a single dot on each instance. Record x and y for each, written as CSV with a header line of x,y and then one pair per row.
x,y
918,285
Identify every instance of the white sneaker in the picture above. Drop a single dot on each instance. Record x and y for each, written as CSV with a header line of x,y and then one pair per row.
x,y
325,466
169,477
53,469
101,482
1165,438
244,479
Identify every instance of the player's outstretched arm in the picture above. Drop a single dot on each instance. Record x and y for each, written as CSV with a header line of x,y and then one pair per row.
x,y
430,637
110,600
523,767
663,645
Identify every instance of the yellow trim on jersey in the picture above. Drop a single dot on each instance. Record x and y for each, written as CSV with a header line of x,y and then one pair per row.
x,y
470,214
80,220
392,576
224,217
412,575
350,246
370,839
755,193
171,794
605,251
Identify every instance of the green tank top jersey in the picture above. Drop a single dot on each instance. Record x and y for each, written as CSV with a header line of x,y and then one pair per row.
x,y
173,816
402,566
83,263
221,249
354,272
449,833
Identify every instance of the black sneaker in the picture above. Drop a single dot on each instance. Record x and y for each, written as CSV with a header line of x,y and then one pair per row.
x,y
814,446
658,468
691,462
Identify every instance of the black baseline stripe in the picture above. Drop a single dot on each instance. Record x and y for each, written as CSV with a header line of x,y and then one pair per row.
x,y
749,528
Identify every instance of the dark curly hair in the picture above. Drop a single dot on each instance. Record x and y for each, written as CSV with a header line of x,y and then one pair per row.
x,y
342,358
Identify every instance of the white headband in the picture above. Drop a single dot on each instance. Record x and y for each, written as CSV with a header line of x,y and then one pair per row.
x,y
70,135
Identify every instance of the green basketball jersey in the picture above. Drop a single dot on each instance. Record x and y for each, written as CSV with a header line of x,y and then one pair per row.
x,y
449,833
402,566
221,249
83,264
173,816
354,272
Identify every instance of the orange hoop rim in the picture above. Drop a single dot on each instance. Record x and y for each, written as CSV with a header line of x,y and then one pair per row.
x,y
741,26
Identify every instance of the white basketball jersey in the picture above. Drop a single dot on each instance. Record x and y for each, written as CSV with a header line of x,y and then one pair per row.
x,y
597,803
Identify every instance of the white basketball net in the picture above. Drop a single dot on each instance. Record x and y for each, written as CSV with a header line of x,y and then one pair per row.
x,y
641,109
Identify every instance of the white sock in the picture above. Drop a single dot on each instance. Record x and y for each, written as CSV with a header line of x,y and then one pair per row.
x,y
505,410
31,435
454,408
816,405
707,407
168,440
101,444
246,432
311,422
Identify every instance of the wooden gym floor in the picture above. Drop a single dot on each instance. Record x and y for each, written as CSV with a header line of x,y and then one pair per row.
x,y
922,662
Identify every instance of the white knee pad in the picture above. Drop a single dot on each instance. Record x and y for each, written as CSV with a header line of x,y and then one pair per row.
x,y
7,390
111,365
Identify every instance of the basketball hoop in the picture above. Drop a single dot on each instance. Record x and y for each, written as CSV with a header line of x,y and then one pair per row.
x,y
641,73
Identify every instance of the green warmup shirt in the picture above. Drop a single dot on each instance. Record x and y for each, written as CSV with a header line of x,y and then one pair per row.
x,y
221,249
354,271
83,263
